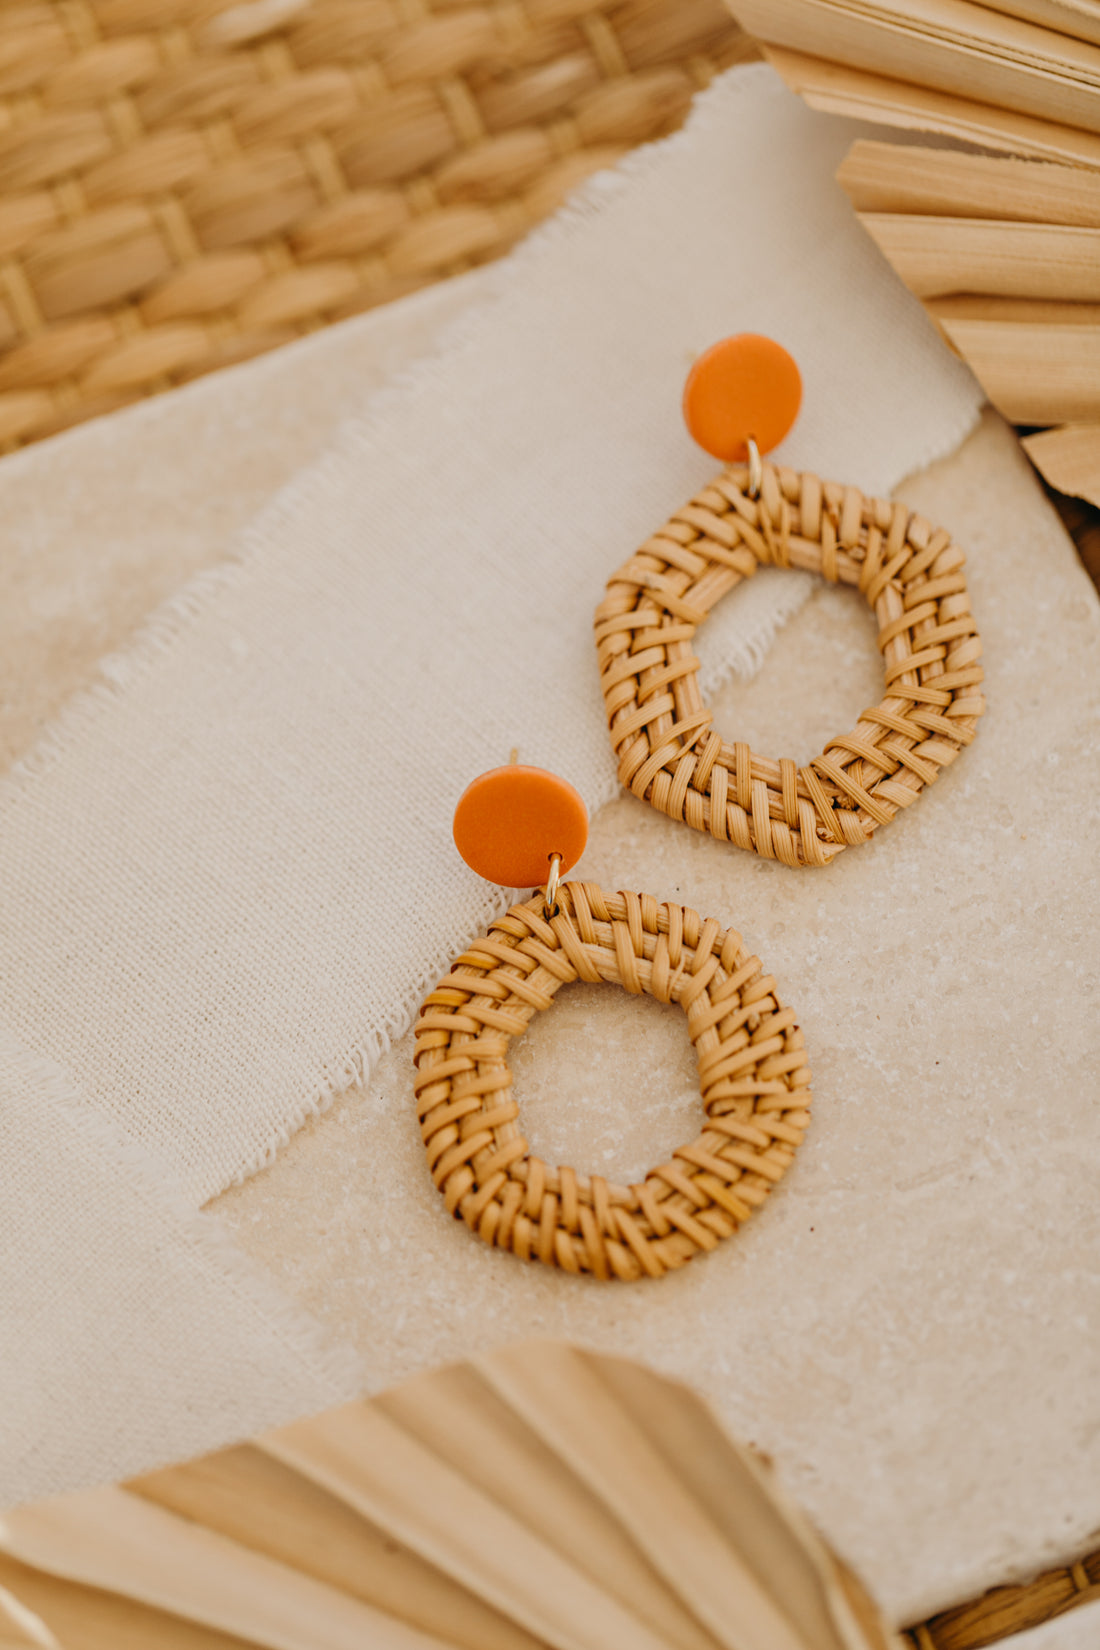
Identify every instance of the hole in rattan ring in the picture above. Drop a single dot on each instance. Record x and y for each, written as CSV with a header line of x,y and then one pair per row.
x,y
911,576
819,671
753,1075
606,1080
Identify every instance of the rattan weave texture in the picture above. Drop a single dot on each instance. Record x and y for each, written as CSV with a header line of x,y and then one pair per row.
x,y
911,576
1005,1611
187,183
752,1073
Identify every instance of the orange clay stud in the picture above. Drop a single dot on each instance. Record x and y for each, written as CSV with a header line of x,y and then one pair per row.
x,y
741,398
514,825
511,823
742,389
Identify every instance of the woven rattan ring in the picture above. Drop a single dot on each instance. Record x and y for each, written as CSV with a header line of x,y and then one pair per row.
x,y
752,1073
911,576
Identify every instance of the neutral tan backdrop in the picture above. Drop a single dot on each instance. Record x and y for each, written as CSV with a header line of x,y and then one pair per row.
x,y
910,1328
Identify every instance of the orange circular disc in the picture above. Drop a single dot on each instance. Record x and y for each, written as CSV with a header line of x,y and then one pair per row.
x,y
511,821
742,386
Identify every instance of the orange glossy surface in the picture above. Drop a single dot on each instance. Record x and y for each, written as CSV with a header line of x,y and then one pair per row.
x,y
510,821
742,386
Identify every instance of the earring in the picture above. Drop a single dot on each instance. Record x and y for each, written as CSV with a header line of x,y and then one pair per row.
x,y
740,400
522,827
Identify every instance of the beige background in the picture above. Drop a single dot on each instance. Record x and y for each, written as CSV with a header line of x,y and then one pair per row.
x,y
910,1328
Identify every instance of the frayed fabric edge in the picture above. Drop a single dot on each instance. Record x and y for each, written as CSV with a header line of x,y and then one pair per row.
x,y
353,1067
357,1064
172,620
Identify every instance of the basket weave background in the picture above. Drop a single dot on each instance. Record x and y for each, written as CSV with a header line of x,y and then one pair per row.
x,y
187,183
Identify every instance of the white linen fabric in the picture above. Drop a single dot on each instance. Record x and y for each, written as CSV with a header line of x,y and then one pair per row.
x,y
133,1329
141,1326
228,874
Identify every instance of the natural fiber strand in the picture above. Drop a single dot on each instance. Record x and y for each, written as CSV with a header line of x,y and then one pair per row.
x,y
1005,1611
911,576
752,1073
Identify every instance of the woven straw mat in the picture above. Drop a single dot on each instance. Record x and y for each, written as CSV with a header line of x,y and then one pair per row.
x,y
187,183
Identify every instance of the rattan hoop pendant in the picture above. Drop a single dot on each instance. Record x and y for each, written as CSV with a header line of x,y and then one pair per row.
x,y
911,576
753,1076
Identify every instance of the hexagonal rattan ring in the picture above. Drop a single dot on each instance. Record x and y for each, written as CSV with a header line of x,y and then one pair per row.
x,y
752,1074
911,576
